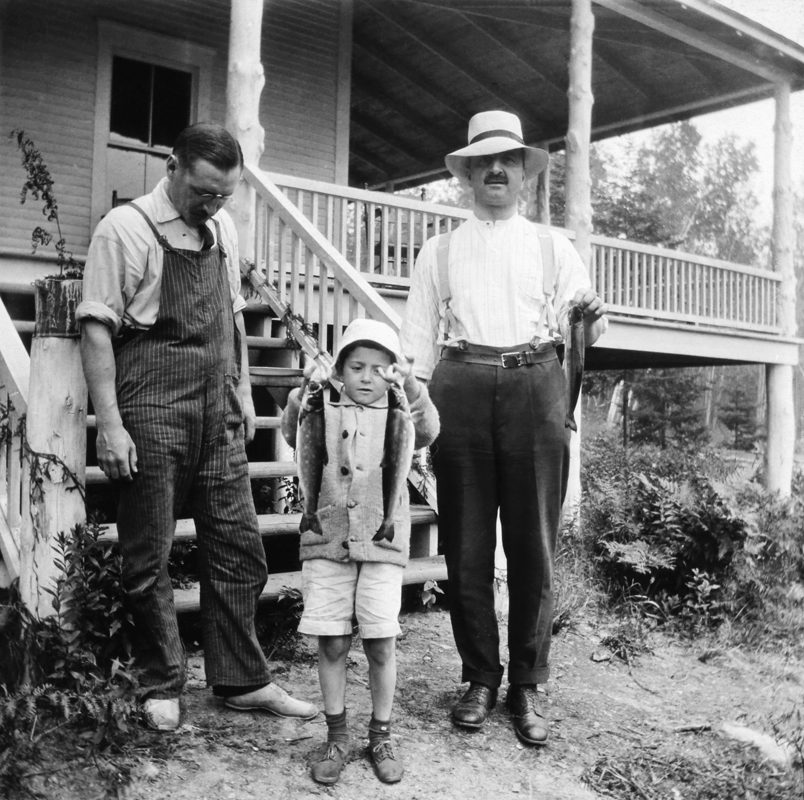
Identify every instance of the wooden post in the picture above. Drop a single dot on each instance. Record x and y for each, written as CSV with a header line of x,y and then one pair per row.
x,y
781,422
54,458
245,81
578,185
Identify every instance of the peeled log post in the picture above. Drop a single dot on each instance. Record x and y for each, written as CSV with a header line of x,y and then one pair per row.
x,y
54,457
245,81
578,212
781,421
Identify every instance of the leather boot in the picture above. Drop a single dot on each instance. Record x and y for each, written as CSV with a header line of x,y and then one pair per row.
x,y
527,714
473,708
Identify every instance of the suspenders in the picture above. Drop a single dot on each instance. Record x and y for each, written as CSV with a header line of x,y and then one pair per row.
x,y
548,316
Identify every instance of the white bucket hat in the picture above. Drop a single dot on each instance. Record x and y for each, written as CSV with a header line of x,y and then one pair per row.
x,y
372,333
493,132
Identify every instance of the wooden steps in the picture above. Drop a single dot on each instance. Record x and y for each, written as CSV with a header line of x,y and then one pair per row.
x,y
270,525
417,571
256,470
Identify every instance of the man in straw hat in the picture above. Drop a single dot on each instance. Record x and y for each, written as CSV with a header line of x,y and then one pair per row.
x,y
487,307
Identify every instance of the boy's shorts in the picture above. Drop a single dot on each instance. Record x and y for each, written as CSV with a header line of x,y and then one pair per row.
x,y
335,592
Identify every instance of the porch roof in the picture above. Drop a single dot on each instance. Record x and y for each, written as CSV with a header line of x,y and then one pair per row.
x,y
422,68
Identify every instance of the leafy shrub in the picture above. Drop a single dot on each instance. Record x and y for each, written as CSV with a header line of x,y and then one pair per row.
x,y
660,528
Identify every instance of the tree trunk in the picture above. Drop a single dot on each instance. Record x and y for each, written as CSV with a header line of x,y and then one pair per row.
x,y
245,81
578,186
55,452
780,419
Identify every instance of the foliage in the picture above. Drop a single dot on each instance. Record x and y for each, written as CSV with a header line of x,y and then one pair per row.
x,y
70,669
39,184
662,532
429,593
281,634
662,410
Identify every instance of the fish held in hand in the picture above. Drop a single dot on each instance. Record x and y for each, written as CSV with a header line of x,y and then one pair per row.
x,y
574,351
396,459
311,453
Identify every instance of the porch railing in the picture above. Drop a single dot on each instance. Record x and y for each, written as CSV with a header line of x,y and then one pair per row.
x,y
382,233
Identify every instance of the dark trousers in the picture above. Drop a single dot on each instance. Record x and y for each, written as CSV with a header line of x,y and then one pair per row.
x,y
502,447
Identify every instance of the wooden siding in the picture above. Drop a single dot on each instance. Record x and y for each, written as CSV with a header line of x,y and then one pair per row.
x,y
298,104
48,87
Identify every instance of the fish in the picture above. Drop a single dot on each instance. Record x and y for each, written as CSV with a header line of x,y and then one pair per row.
x,y
311,453
574,347
396,458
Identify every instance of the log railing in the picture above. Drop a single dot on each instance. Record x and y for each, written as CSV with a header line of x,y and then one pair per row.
x,y
381,233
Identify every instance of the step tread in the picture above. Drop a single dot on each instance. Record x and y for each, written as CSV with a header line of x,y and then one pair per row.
x,y
256,470
262,422
269,524
417,571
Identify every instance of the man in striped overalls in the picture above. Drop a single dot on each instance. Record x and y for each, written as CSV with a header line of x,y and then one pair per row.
x,y
485,312
164,352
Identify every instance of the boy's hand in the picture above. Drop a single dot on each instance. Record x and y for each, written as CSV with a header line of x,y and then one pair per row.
x,y
401,372
317,373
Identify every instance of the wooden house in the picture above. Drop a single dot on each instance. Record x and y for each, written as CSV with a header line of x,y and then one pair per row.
x,y
337,103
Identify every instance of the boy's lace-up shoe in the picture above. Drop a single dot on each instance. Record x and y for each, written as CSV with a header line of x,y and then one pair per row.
x,y
327,765
527,714
473,708
274,700
161,714
387,766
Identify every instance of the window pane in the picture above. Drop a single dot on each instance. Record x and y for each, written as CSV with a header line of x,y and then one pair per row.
x,y
131,90
172,97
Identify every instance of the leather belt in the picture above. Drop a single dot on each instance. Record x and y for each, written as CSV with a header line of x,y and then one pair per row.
x,y
519,356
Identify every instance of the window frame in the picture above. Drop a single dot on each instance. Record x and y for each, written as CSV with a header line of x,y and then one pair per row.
x,y
116,39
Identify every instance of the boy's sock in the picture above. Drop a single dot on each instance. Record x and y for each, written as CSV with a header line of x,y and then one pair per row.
x,y
326,767
379,730
336,728
387,764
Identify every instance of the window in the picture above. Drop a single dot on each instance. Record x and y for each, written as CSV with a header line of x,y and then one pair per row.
x,y
150,86
150,104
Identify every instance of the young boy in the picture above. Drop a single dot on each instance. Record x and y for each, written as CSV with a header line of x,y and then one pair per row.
x,y
348,569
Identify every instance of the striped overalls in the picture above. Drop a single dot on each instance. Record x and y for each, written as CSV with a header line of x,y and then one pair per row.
x,y
176,391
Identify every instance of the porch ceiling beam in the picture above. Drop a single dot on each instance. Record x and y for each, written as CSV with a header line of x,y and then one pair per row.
x,y
505,45
408,73
378,93
669,27
617,64
407,28
387,136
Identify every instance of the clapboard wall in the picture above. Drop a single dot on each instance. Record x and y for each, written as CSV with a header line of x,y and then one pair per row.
x,y
48,87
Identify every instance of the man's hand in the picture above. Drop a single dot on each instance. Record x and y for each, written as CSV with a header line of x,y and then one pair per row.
x,y
249,414
591,305
117,453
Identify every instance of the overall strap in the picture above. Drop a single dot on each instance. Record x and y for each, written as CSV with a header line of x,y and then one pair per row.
x,y
547,248
446,326
161,238
442,262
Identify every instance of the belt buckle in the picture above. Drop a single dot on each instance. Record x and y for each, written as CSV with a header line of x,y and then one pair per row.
x,y
512,359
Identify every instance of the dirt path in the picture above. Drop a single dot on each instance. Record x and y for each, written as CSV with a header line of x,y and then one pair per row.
x,y
656,724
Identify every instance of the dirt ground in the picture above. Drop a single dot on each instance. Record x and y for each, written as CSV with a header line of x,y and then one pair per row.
x,y
649,729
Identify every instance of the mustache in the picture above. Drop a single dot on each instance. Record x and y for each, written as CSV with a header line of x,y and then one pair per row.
x,y
495,177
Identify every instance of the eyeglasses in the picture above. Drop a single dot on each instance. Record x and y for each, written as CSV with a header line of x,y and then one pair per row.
x,y
208,197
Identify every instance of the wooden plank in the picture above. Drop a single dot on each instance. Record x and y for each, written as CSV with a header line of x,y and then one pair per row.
x,y
9,547
256,470
15,364
270,525
417,571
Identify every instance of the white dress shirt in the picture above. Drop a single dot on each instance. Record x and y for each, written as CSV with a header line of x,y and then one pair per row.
x,y
496,283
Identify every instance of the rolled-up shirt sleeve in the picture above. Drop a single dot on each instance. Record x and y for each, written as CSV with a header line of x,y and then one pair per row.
x,y
105,278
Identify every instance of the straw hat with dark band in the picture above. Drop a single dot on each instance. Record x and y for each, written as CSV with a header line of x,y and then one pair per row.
x,y
492,132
